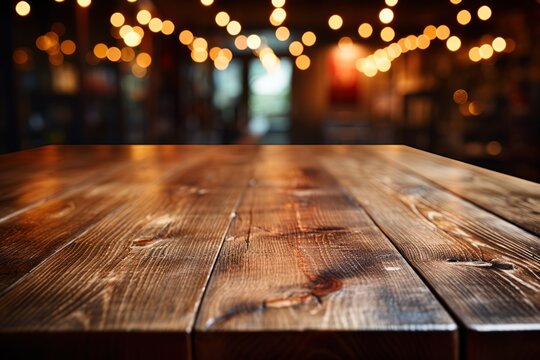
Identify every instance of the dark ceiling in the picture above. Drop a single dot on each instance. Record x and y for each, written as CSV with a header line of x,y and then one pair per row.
x,y
411,15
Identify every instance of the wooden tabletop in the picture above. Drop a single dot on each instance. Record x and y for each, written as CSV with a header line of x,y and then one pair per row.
x,y
265,252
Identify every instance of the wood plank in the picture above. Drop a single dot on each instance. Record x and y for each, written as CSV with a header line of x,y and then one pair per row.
x,y
31,237
29,178
513,199
485,269
136,277
304,273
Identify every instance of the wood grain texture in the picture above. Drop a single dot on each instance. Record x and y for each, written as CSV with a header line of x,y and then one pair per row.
x,y
304,273
30,237
511,198
296,252
486,270
31,177
134,275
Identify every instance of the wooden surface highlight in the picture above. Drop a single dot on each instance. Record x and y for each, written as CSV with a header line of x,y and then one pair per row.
x,y
32,235
483,268
140,270
303,258
265,252
513,199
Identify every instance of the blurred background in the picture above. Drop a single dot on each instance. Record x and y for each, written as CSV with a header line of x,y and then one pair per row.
x,y
460,78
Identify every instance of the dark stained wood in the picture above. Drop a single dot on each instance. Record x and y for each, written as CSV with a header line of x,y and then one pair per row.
x,y
31,177
511,198
486,270
332,344
30,237
136,274
293,252
304,273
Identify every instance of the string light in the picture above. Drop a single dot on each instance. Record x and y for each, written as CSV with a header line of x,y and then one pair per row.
x,y
484,12
460,96
379,61
365,30
442,32
186,37
234,27
453,43
114,54
431,32
100,51
84,3
117,19
387,34
20,56
155,25
144,17
498,44
486,51
464,17
474,54
144,60
423,42
282,33
241,42
335,22
222,18
278,15
167,27
386,16
68,47
303,62
127,54
253,42
200,44
296,48
22,8
309,38
199,55
132,39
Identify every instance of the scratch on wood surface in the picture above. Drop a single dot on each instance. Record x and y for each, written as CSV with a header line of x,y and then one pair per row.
x,y
492,264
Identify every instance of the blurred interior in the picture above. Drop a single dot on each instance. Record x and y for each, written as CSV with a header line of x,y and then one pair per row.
x,y
458,78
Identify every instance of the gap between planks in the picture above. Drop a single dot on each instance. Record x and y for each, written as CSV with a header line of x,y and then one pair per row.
x,y
460,344
109,215
439,160
464,330
192,333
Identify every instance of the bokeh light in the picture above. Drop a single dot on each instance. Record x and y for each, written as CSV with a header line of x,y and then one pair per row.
x,y
365,30
22,8
309,38
335,22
